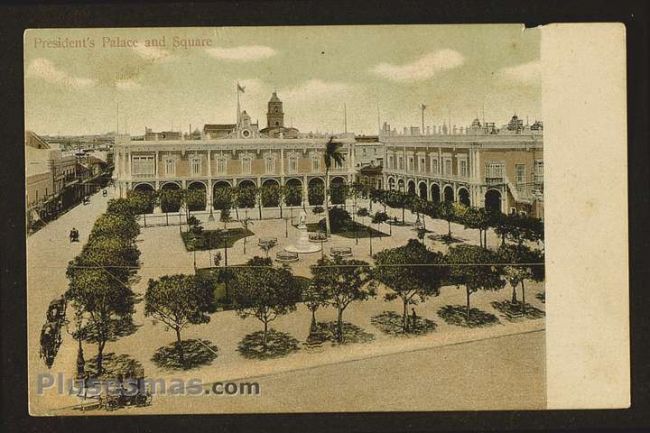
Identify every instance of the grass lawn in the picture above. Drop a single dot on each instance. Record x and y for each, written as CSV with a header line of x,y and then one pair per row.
x,y
349,231
214,239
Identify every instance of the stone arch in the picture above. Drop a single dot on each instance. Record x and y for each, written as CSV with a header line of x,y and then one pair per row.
x,y
171,184
144,187
422,190
391,183
246,183
197,195
337,190
222,195
463,196
270,193
448,193
435,193
493,200
148,189
411,187
293,195
316,191
246,198
170,202
400,185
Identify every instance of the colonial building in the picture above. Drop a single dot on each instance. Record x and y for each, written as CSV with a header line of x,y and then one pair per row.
x,y
480,165
237,154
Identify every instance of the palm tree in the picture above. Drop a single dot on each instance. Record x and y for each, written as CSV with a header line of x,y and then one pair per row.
x,y
332,154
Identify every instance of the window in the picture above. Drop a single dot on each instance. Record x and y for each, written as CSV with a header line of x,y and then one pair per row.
x,y
400,163
143,165
315,163
269,164
447,167
463,168
293,164
363,151
434,165
422,164
520,173
494,171
221,165
195,165
170,167
246,165
539,171
389,163
409,163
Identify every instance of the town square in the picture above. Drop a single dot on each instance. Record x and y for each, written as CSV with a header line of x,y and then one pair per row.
x,y
394,268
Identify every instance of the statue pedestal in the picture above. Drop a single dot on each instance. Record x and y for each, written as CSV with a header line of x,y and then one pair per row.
x,y
302,244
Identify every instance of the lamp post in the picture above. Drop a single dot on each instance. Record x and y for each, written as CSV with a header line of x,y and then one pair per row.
x,y
286,227
370,238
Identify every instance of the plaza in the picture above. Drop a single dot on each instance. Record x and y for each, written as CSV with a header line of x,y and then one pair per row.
x,y
163,253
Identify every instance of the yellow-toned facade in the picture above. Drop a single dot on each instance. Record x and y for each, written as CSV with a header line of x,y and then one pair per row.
x,y
499,170
208,163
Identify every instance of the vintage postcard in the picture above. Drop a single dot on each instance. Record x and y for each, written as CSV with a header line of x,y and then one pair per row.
x,y
316,219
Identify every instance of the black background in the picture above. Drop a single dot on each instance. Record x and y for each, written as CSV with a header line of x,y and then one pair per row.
x,y
14,19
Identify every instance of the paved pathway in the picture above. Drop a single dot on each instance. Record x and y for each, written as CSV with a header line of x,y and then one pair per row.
x,y
163,253
48,252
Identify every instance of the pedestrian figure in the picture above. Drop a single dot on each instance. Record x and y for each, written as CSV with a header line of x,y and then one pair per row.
x,y
413,317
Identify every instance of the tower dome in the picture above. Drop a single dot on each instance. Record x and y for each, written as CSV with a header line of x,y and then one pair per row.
x,y
275,114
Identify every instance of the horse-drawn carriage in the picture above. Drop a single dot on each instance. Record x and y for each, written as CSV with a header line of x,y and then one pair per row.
x,y
51,331
111,394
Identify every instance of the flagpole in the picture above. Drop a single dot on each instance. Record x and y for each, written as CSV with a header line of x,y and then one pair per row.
x,y
238,108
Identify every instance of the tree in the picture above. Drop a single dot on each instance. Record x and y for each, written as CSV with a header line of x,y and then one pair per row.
x,y
446,212
412,273
363,212
342,282
332,155
194,199
475,218
316,194
170,200
245,223
115,225
264,292
223,198
141,202
246,197
521,264
292,195
179,301
379,218
314,299
475,268
105,303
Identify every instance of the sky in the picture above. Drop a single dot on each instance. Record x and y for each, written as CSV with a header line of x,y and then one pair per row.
x,y
83,81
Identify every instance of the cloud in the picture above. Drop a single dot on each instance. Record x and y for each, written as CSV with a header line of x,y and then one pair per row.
x,y
421,69
127,85
244,53
528,73
45,70
153,54
316,89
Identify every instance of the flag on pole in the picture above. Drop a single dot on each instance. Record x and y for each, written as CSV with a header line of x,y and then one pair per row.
x,y
240,88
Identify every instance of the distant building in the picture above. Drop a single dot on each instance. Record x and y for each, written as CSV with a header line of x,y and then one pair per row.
x,y
368,151
229,155
483,166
